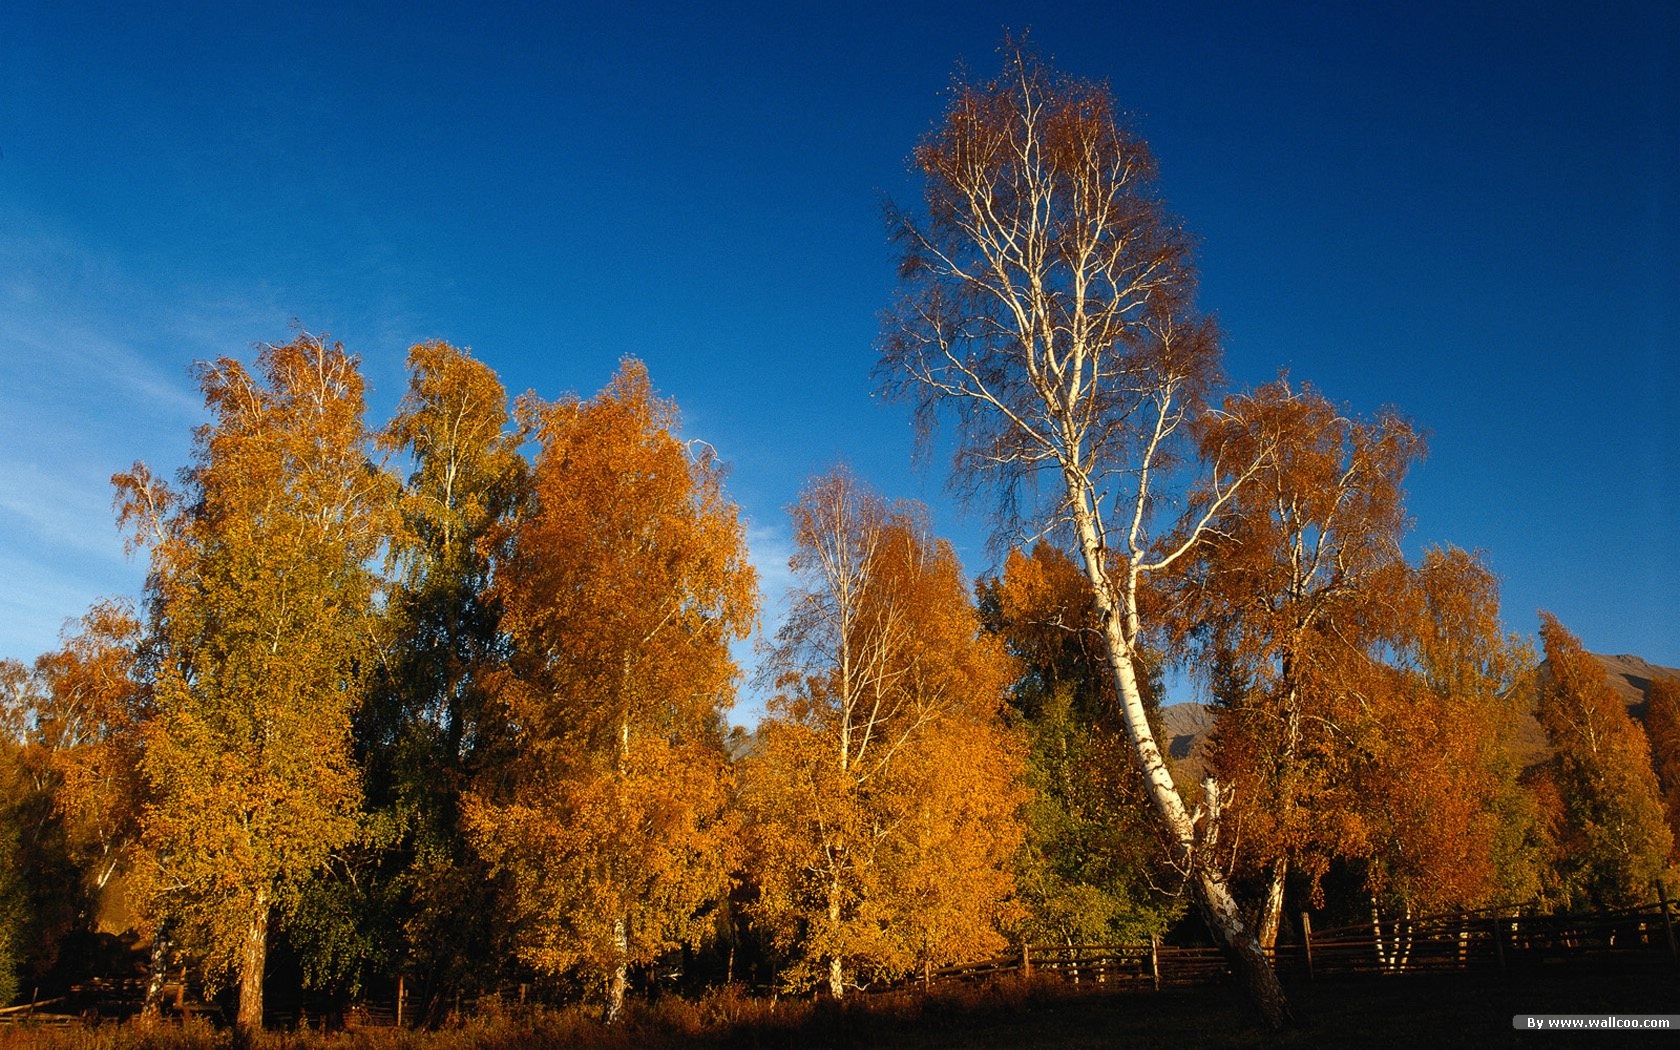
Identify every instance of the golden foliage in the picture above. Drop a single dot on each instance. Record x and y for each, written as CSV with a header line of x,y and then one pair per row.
x,y
882,802
87,719
261,596
1608,822
621,590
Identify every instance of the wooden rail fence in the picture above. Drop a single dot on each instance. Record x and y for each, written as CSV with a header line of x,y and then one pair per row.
x,y
1487,940
1490,941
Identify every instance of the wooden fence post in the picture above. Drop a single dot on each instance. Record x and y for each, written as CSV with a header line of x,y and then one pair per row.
x,y
1668,920
1499,940
401,989
1155,959
1026,959
1306,939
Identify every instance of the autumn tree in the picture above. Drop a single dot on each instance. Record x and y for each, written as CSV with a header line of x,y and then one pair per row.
x,y
1662,727
69,786
881,801
15,796
1090,866
261,599
1047,300
1611,835
416,896
1440,777
620,592
1292,593
88,713
1372,722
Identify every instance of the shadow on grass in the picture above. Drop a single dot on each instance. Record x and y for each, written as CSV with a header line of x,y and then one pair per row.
x,y
1435,1011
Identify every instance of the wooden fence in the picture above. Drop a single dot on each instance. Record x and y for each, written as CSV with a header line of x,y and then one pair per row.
x,y
1489,941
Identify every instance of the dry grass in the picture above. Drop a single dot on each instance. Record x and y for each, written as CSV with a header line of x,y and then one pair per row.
x,y
1444,1011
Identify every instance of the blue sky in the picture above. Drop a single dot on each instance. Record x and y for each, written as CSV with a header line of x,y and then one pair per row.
x,y
1469,211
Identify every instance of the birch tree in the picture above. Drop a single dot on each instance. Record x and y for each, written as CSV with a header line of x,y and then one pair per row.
x,y
72,799
90,709
1443,771
882,802
1047,301
1090,869
1293,591
1662,727
1611,836
261,600
621,590
422,899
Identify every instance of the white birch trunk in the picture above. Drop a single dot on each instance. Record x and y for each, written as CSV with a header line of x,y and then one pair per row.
x,y
253,960
1271,910
1213,891
836,968
621,970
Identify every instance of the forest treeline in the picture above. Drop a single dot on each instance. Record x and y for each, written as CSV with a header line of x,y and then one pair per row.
x,y
470,725
447,698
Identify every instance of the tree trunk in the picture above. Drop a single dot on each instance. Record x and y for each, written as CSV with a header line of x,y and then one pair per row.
x,y
621,970
157,972
1271,912
836,970
253,960
1257,972
1212,890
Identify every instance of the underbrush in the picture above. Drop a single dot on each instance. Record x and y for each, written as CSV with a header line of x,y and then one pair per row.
x,y
1439,1010
722,1017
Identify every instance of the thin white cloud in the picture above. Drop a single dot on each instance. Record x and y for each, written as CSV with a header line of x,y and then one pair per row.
x,y
94,374
768,547
37,599
54,510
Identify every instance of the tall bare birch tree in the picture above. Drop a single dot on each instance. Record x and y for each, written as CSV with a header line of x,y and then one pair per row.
x,y
1046,300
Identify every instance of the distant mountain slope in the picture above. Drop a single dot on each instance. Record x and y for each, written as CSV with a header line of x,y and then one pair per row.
x,y
1631,677
1185,728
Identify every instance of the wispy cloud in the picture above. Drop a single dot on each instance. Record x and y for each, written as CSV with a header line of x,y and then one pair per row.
x,y
52,510
769,547
94,374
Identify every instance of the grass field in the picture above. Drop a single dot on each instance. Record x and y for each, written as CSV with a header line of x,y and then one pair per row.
x,y
1423,1011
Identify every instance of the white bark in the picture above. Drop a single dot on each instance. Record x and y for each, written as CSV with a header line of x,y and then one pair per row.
x,y
253,961
619,979
1047,295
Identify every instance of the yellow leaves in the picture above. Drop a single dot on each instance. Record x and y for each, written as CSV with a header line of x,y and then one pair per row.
x,y
467,470
882,802
620,589
629,577
262,591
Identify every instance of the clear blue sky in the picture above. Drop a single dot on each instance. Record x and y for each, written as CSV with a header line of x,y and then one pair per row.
x,y
1470,211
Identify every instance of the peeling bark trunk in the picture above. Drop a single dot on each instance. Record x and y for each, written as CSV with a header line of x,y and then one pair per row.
x,y
157,972
253,960
1118,613
1396,956
1271,912
620,978
836,970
